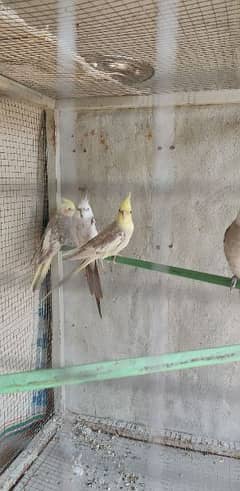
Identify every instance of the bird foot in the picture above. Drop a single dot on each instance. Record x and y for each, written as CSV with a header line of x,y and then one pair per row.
x,y
112,263
234,281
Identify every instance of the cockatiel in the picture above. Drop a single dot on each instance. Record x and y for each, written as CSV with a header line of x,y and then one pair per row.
x,y
84,229
232,248
55,235
109,242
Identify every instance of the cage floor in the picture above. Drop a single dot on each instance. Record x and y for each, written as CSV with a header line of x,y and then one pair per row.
x,y
79,459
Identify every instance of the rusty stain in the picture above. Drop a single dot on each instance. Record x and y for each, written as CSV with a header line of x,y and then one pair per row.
x,y
149,135
93,132
102,139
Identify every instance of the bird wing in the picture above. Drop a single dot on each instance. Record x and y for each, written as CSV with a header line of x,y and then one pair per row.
x,y
106,243
49,243
226,232
102,245
101,249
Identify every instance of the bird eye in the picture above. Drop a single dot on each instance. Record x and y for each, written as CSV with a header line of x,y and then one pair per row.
x,y
130,211
69,209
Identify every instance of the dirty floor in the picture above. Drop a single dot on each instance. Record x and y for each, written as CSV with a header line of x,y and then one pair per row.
x,y
78,458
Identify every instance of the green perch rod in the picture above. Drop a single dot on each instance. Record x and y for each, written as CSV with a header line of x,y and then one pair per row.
x,y
173,270
109,370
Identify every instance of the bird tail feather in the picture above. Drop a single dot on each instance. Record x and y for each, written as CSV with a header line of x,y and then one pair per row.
x,y
70,254
94,284
40,274
80,267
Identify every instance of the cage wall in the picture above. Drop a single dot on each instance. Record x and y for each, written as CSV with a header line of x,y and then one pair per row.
x,y
25,337
181,166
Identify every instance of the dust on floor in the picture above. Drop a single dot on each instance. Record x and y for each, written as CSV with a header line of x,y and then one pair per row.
x,y
78,458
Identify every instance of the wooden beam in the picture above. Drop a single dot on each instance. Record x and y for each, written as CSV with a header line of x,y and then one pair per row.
x,y
26,458
204,97
54,197
10,88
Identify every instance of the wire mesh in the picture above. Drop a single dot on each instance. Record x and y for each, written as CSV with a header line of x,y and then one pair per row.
x,y
25,330
191,45
204,34
81,457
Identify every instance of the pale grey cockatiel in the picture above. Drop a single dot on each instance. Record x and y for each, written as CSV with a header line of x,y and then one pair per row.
x,y
55,235
232,248
83,230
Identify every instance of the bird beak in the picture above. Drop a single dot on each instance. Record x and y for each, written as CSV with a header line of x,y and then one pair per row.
x,y
80,211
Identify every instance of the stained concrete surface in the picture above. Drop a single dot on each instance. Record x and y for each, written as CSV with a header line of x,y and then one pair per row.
x,y
182,167
80,459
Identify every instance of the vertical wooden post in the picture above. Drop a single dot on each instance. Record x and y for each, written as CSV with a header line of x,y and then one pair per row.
x,y
54,197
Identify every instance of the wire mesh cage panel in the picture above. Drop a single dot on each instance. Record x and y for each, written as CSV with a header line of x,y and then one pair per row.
x,y
120,47
25,333
173,160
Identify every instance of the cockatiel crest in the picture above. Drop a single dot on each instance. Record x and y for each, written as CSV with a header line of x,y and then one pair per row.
x,y
84,221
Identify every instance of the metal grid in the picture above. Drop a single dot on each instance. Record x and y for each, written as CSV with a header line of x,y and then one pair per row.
x,y
80,459
49,44
25,333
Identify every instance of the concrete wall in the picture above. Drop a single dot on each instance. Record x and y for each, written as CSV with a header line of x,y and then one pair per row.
x,y
183,169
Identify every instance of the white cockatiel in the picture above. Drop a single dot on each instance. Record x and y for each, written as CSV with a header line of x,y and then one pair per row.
x,y
83,230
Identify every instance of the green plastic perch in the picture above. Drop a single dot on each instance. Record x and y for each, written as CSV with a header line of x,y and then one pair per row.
x,y
107,370
46,378
172,270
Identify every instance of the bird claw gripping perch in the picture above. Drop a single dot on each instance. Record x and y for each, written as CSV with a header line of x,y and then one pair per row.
x,y
234,281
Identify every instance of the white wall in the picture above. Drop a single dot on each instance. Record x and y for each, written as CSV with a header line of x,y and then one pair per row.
x,y
184,198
